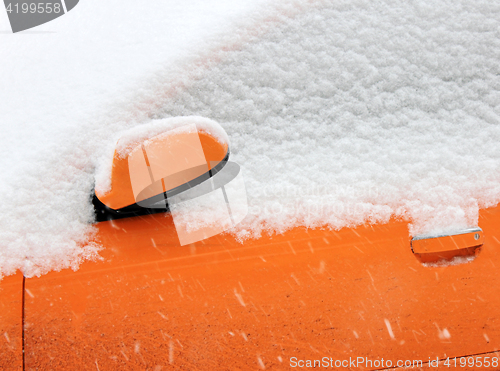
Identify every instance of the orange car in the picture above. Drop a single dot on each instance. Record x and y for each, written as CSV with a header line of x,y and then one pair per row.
x,y
366,298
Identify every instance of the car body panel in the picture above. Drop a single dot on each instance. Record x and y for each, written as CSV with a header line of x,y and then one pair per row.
x,y
11,299
223,304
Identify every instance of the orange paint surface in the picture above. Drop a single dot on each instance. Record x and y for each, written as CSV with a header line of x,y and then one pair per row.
x,y
432,250
448,243
11,291
222,305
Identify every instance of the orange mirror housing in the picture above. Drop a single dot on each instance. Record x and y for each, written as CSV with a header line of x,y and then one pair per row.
x,y
121,193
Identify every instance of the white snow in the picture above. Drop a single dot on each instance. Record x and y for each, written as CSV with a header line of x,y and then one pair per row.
x,y
457,260
358,111
339,112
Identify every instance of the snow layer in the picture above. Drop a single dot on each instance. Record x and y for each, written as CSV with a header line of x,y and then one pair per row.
x,y
357,111
339,112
